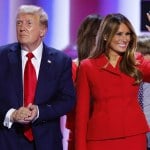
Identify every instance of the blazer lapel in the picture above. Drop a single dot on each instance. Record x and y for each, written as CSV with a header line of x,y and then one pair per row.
x,y
102,63
14,57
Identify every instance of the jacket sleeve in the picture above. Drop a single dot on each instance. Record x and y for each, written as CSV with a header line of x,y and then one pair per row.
x,y
64,98
144,66
82,108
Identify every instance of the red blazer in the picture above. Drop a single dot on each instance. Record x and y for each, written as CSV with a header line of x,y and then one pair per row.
x,y
70,123
116,111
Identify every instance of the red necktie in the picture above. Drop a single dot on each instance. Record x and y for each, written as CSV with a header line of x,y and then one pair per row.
x,y
30,81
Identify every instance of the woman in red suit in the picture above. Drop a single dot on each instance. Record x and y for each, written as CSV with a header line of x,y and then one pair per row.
x,y
85,44
110,78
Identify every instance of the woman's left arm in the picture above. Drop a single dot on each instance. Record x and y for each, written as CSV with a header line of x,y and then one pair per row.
x,y
144,66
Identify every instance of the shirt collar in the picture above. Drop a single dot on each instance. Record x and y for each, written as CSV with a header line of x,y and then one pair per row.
x,y
37,52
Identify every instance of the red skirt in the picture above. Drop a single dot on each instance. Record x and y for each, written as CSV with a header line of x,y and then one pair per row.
x,y
137,142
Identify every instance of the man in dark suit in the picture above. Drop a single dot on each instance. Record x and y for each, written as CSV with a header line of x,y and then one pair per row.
x,y
54,94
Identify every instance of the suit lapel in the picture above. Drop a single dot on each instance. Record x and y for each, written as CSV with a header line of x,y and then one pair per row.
x,y
46,73
14,57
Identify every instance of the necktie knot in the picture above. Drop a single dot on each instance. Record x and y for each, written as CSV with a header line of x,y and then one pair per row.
x,y
30,55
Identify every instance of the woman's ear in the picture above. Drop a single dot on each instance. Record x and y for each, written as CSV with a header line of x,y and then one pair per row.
x,y
105,38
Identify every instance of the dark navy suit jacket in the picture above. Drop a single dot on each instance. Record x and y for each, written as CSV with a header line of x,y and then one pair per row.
x,y
55,96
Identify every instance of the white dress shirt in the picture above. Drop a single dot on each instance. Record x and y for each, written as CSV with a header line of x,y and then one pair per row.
x,y
36,61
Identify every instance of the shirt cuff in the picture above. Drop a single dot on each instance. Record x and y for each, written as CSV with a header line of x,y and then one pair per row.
x,y
7,122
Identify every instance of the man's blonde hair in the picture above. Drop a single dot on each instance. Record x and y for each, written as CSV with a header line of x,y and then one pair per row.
x,y
35,10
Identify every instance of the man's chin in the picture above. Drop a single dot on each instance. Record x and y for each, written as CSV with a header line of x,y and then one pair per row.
x,y
23,41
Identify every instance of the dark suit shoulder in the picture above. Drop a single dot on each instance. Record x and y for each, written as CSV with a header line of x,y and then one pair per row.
x,y
56,52
9,47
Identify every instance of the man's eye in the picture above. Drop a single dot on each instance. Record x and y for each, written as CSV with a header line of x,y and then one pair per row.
x,y
29,23
18,23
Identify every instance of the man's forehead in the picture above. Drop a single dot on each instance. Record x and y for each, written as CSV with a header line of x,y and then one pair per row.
x,y
27,16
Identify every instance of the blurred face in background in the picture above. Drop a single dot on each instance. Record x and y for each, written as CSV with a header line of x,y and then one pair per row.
x,y
147,56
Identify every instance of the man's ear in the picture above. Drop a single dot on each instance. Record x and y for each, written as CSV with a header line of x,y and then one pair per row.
x,y
43,31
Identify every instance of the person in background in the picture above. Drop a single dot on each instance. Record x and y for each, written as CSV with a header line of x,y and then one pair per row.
x,y
148,17
36,86
86,38
143,46
111,78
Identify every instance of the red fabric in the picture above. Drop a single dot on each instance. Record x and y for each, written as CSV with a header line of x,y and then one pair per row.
x,y
30,81
137,142
74,71
116,111
70,123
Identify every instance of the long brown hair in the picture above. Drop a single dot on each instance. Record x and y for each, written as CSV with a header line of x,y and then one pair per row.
x,y
108,28
87,34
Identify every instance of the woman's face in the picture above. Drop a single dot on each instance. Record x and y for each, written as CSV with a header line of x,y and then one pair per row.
x,y
120,40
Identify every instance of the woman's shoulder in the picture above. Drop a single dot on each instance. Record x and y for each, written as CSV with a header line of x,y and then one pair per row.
x,y
138,56
75,62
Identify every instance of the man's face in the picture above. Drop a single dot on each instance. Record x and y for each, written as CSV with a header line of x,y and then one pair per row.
x,y
29,29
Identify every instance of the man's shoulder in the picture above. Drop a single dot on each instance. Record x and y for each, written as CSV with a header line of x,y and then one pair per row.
x,y
56,52
11,46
